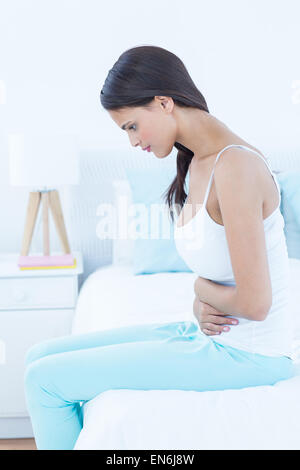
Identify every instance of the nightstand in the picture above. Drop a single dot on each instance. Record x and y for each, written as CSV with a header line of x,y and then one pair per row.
x,y
35,305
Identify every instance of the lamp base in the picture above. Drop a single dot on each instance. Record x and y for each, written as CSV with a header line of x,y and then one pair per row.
x,y
47,262
49,198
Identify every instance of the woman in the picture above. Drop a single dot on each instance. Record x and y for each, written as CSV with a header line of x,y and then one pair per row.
x,y
235,243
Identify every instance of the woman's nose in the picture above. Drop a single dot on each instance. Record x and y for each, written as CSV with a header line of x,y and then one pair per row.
x,y
134,143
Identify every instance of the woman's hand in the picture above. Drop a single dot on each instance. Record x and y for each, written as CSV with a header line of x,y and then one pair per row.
x,y
211,321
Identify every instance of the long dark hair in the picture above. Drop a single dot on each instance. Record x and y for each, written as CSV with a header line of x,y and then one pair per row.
x,y
140,74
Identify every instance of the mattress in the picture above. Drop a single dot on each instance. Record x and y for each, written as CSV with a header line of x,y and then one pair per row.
x,y
176,419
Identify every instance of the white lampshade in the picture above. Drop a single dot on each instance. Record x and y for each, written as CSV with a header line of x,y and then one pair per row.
x,y
43,160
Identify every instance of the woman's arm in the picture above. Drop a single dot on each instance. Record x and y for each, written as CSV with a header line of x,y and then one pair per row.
x,y
222,298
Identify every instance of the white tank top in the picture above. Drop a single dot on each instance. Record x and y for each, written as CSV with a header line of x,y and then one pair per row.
x,y
202,243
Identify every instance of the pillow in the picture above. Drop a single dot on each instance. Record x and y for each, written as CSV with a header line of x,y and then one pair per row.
x,y
154,248
289,182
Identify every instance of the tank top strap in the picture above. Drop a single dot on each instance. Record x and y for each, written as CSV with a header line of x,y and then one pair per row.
x,y
251,150
212,173
268,165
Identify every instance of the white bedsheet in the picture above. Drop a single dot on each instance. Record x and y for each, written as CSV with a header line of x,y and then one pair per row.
x,y
265,417
113,297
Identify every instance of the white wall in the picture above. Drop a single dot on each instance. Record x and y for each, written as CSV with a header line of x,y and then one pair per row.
x,y
55,55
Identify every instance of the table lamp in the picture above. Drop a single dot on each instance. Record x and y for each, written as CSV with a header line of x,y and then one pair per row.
x,y
42,163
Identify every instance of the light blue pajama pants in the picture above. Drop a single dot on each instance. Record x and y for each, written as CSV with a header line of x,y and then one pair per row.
x,y
60,373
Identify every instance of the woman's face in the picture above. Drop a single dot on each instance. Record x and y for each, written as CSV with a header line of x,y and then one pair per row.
x,y
154,126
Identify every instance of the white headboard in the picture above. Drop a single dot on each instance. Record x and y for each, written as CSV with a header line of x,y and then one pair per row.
x,y
99,168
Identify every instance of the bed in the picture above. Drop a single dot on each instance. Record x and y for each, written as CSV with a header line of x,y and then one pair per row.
x,y
263,417
175,419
